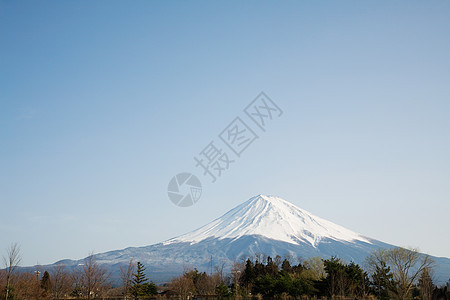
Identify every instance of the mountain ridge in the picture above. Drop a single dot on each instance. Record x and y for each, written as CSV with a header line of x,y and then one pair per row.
x,y
263,224
272,217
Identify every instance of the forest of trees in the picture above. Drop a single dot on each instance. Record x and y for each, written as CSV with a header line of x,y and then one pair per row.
x,y
387,274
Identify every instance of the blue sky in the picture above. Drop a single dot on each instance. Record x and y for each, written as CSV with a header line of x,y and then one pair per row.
x,y
102,102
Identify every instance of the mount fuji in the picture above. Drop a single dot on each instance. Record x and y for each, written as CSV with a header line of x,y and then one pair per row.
x,y
265,225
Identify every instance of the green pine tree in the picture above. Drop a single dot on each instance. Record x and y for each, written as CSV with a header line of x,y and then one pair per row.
x,y
222,291
149,289
335,270
140,285
249,276
138,281
382,282
46,285
426,284
286,266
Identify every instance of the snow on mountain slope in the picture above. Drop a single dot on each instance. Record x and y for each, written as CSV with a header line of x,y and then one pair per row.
x,y
262,225
273,218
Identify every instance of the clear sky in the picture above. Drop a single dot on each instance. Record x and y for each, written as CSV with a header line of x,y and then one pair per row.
x,y
102,102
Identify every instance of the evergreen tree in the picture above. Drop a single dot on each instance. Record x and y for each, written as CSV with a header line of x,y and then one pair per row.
x,y
139,276
265,285
46,284
335,273
358,283
149,289
426,284
286,266
383,282
140,285
222,291
249,275
345,279
259,269
271,267
298,268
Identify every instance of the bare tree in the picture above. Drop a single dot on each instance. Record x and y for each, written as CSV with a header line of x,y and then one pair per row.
x,y
183,286
291,259
76,278
126,274
407,265
260,257
11,261
2,278
24,286
378,265
376,259
61,281
204,284
94,277
219,270
236,273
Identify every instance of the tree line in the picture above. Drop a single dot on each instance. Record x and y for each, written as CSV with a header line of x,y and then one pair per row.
x,y
88,280
396,273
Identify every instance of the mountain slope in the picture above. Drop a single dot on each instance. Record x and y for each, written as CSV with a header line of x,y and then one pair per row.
x,y
262,225
272,218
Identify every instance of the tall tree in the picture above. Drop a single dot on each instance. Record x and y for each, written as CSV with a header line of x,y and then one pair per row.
x,y
127,277
426,284
93,278
358,283
138,281
61,281
141,286
237,272
407,265
315,267
335,276
248,277
46,285
286,266
271,267
183,286
11,261
222,291
346,279
219,268
383,281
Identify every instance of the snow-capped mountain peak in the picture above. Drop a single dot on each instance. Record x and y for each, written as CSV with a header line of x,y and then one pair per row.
x,y
262,225
273,218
